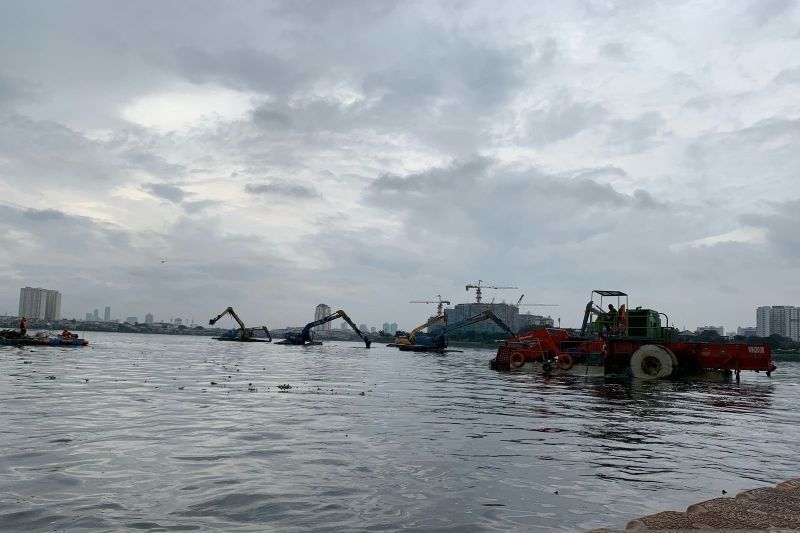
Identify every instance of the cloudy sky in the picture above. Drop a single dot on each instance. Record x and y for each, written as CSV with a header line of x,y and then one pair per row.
x,y
364,154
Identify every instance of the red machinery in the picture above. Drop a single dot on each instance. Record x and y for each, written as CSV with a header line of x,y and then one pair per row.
x,y
632,342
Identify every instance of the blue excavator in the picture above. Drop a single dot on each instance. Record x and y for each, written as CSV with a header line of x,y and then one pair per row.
x,y
438,341
306,337
242,334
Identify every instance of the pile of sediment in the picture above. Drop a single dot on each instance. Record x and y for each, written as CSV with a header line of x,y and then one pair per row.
x,y
756,510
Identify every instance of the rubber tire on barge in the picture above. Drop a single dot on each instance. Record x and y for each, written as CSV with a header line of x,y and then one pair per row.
x,y
652,361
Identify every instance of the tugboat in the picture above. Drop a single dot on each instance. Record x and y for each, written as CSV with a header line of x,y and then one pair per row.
x,y
10,337
631,343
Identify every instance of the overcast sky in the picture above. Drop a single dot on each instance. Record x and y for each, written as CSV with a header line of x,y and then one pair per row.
x,y
367,153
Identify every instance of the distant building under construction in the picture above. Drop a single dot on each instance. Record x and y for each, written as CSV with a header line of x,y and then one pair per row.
x,y
506,312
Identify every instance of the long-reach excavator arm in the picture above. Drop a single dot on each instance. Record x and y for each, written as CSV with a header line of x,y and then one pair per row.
x,y
412,335
244,334
439,341
230,311
305,335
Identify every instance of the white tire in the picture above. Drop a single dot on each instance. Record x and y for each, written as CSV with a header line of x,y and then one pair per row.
x,y
653,362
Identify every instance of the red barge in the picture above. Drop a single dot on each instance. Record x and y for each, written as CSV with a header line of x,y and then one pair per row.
x,y
628,342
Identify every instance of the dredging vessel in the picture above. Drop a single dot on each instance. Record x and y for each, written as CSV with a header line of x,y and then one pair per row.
x,y
242,334
14,338
628,342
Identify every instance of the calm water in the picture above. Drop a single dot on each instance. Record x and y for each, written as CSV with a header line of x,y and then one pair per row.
x,y
132,433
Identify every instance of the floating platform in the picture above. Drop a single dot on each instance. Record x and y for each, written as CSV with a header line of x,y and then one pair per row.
x,y
43,341
761,509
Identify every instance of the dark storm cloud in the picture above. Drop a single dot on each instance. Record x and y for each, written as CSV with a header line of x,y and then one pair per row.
x,y
282,188
167,192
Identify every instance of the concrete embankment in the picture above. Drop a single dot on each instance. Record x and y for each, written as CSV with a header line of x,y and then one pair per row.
x,y
761,509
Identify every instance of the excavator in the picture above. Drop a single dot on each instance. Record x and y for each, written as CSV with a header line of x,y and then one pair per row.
x,y
438,342
243,334
306,338
412,335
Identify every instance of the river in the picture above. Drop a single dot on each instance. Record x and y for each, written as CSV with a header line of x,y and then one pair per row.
x,y
174,433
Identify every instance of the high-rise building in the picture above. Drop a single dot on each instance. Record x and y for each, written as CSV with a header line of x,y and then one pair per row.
x,y
132,320
372,329
746,331
39,303
96,315
322,311
393,328
344,325
107,314
88,317
783,320
763,325
148,318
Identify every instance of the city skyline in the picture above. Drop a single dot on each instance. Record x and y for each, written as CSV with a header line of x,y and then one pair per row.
x,y
510,314
297,154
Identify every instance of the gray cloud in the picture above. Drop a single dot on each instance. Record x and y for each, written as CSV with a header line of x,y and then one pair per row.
x,y
167,192
616,51
282,188
450,141
562,118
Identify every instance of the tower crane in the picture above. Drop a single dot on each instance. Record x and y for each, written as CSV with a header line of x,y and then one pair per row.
x,y
439,303
479,286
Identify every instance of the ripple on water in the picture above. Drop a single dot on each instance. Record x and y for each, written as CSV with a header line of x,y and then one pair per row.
x,y
131,434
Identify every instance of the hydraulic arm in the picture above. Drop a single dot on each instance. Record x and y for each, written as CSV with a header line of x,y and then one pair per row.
x,y
412,335
439,341
305,335
244,333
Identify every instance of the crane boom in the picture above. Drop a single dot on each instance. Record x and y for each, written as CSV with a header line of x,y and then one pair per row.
x,y
480,286
439,303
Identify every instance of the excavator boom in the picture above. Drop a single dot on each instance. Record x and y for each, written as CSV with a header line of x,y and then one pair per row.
x,y
305,336
412,335
439,341
244,334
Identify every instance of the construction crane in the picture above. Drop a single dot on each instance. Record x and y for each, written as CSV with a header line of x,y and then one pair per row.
x,y
479,286
439,303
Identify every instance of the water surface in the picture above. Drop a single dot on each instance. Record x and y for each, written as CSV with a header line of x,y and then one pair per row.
x,y
169,433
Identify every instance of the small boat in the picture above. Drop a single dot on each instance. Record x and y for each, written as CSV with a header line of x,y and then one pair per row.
x,y
13,338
